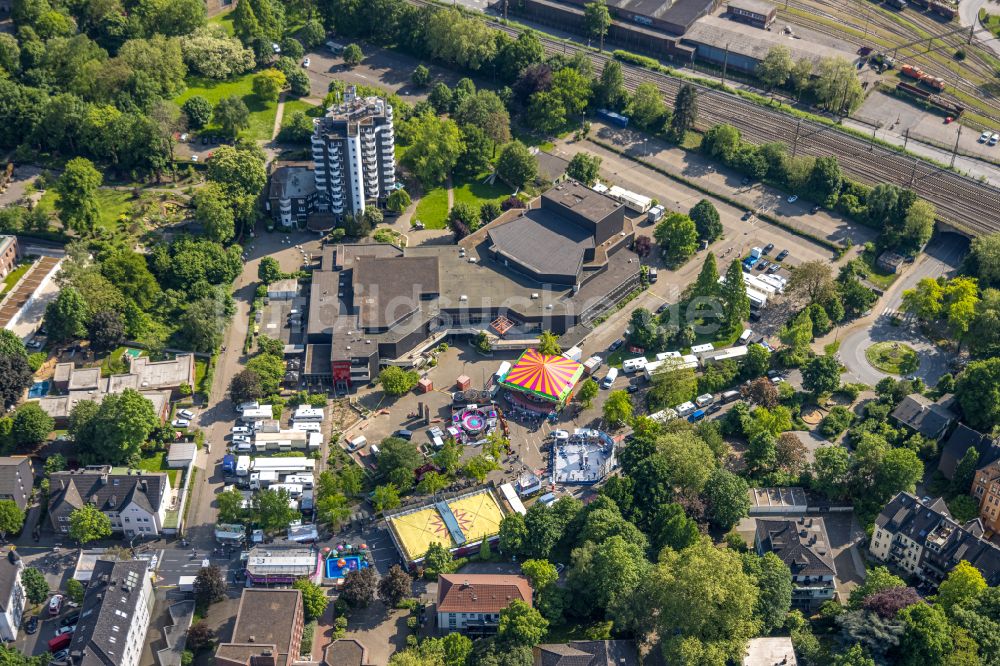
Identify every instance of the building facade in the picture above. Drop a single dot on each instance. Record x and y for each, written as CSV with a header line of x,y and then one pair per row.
x,y
16,479
922,539
11,596
114,617
8,254
757,13
136,502
353,148
986,489
268,630
292,195
471,603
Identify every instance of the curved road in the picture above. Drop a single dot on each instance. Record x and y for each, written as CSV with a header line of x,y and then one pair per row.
x,y
942,257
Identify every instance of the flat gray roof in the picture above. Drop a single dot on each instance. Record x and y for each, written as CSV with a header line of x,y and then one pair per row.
x,y
755,43
582,200
543,242
755,6
387,289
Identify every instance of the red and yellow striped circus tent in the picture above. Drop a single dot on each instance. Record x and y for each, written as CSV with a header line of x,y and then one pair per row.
x,y
550,378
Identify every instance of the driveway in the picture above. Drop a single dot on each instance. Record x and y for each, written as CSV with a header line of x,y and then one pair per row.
x,y
943,256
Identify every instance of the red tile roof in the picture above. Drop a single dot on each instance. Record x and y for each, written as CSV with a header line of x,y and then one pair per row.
x,y
480,593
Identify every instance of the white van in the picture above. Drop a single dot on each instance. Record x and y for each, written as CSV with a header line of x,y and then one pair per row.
x,y
745,336
634,364
609,378
357,443
375,450
685,408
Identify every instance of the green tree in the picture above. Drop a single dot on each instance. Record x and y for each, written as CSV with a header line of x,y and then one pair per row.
x,y
437,560
31,425
77,189
432,483
821,375
978,392
671,387
11,344
813,281
521,625
421,76
597,19
685,113
513,534
548,343
246,386
516,165
270,369
677,237
397,461
36,588
396,382
15,378
796,335
395,586
212,211
268,84
825,180
585,167
587,392
646,107
353,55
117,429
398,201
314,599
965,471
230,506
232,115
546,111
271,509
88,524
209,586
800,76
878,580
727,499
963,584
359,587
66,317
927,636
240,171
478,467
269,270
757,361
837,86
385,497
541,574
735,303
617,408
775,68
775,582
925,301
74,590
435,146
106,330
706,220
11,518
198,111
672,528
610,90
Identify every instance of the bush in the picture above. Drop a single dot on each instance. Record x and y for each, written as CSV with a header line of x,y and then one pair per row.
x,y
837,421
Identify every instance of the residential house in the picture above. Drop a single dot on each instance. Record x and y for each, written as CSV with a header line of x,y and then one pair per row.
x,y
802,544
11,596
114,616
920,414
16,479
268,630
8,254
587,653
136,502
986,489
923,539
961,440
472,603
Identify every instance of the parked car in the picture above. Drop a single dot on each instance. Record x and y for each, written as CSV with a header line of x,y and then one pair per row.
x,y
747,215
993,139
55,604
194,158
781,255
774,268
763,265
632,388
180,423
616,345
186,414
814,209
793,198
61,655
306,62
984,137
31,624
241,430
560,435
768,248
70,619
66,630
662,308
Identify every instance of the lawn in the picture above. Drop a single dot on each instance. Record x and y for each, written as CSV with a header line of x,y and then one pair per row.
x,y
990,21
15,275
893,357
111,203
432,209
474,191
261,113
224,21
200,370
876,275
293,105
158,463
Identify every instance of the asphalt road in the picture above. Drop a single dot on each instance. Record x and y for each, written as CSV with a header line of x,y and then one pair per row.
x,y
942,257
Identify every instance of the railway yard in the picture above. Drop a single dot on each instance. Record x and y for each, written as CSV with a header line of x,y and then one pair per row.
x,y
960,201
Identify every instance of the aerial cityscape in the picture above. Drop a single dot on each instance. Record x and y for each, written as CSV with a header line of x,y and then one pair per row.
x,y
500,333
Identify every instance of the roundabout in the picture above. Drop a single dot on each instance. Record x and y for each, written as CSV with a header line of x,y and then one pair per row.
x,y
893,357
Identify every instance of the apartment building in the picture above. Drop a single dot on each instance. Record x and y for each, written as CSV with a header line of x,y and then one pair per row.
x,y
135,502
114,616
8,254
16,479
986,489
11,596
268,630
921,538
353,148
802,544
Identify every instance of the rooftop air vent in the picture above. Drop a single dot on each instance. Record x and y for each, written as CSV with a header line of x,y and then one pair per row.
x,y
463,297
534,294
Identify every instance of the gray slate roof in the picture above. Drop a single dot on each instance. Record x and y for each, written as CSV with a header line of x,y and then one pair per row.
x,y
928,418
542,242
9,568
16,478
108,492
107,612
960,441
588,653
801,543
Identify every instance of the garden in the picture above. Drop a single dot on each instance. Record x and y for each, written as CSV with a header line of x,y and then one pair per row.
x,y
895,358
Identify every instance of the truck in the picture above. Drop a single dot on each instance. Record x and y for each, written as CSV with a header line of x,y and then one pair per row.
x,y
573,354
697,415
228,464
591,365
655,213
750,262
613,118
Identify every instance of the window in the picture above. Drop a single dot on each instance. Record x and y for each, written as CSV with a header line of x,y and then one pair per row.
x,y
125,519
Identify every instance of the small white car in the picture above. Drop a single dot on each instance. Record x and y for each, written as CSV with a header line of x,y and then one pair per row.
x,y
793,198
241,438
180,423
306,62
194,158
241,430
65,630
560,435
994,139
275,47
186,414
184,137
984,137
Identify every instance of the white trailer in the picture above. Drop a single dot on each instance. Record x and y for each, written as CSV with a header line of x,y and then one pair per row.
x,y
284,466
633,201
573,354
307,413
242,465
258,413
591,365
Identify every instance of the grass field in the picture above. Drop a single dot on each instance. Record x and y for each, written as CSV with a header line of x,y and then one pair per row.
x,y
261,113
432,209
476,192
112,204
158,463
293,105
224,21
893,357
15,275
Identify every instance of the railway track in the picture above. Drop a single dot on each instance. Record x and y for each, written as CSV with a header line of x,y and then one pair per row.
x,y
960,201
